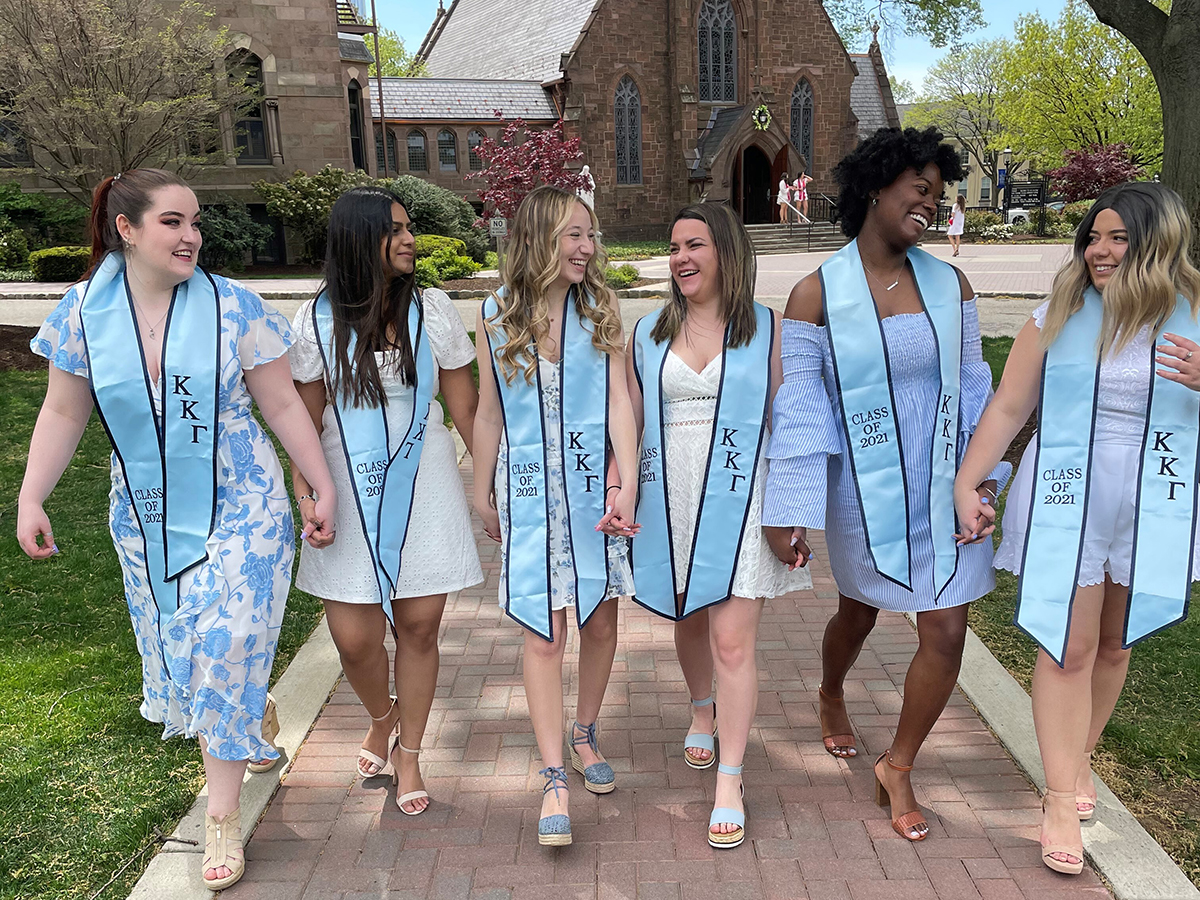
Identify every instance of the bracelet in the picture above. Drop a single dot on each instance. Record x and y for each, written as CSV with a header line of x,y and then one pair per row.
x,y
312,497
610,488
987,491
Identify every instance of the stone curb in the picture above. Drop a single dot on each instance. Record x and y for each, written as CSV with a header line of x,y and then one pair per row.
x,y
300,695
1115,843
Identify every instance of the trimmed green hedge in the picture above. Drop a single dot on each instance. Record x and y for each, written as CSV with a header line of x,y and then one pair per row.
x,y
59,263
429,244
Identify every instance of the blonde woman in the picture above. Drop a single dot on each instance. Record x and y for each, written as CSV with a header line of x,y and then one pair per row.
x,y
553,411
702,372
958,221
1101,519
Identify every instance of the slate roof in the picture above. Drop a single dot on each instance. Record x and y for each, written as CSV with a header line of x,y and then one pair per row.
x,y
520,39
720,121
464,99
866,97
354,48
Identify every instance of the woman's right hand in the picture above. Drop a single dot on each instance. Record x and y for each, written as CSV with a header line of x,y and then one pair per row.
x,y
486,508
976,518
789,545
33,523
317,518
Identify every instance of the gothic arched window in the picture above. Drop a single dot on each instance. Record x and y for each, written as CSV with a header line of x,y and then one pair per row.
x,y
474,139
802,122
447,151
418,160
717,30
250,132
628,117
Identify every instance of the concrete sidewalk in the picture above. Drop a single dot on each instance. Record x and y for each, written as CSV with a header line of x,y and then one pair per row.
x,y
814,831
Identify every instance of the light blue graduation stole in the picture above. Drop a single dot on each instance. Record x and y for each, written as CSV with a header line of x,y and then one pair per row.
x,y
383,476
864,381
739,424
169,463
583,374
1161,567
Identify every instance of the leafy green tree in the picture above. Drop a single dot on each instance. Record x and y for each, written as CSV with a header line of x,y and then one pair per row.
x,y
962,97
229,234
47,221
902,91
95,87
1075,82
303,203
394,58
435,210
942,22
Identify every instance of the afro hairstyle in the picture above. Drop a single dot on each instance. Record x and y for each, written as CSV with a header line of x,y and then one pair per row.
x,y
882,158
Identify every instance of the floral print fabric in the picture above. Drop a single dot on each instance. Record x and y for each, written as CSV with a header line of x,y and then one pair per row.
x,y
205,669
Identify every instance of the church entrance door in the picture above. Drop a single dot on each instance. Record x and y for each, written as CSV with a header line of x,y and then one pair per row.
x,y
757,190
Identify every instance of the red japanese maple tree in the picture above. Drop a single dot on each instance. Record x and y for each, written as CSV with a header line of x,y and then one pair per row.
x,y
1089,172
522,159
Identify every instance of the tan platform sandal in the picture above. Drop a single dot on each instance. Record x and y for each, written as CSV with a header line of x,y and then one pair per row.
x,y
223,839
371,759
1048,850
411,795
270,731
841,746
910,823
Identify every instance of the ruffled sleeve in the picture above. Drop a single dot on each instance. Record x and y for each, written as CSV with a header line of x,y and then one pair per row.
x,y
804,432
304,355
976,389
452,347
60,339
262,334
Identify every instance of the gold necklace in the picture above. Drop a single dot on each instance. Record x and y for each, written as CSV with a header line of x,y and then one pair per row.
x,y
886,287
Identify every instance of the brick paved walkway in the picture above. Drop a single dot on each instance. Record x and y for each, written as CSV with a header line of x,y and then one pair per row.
x,y
813,827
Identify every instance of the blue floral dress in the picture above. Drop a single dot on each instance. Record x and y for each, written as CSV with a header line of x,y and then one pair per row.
x,y
223,637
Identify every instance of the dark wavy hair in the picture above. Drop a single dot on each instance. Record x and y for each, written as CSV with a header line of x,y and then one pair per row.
x,y
882,158
365,297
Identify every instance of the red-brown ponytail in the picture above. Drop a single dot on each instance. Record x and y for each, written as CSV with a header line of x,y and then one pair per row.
x,y
127,194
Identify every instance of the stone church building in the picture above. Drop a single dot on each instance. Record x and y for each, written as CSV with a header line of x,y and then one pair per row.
x,y
674,100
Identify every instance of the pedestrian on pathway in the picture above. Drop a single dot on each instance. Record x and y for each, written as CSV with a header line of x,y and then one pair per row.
x,y
800,192
869,427
1106,554
199,514
553,410
958,220
781,198
371,354
708,363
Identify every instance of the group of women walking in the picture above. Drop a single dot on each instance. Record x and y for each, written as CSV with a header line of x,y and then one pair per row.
x,y
680,465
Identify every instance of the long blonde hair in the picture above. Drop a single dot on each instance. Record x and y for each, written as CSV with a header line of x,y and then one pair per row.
x,y
1142,289
531,267
737,266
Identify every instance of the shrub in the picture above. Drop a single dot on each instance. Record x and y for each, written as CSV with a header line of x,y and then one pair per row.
x,y
621,276
46,221
229,234
59,263
978,219
14,247
491,260
428,244
427,273
1073,213
444,265
997,232
13,275
435,210
303,203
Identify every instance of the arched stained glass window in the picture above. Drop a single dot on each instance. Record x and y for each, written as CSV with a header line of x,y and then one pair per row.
x,y
802,122
717,33
418,159
628,109
447,151
474,138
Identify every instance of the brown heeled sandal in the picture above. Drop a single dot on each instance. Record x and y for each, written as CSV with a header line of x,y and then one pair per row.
x,y
841,746
908,823
1048,850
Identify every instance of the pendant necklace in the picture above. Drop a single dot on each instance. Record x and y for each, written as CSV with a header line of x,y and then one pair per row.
x,y
886,287
153,336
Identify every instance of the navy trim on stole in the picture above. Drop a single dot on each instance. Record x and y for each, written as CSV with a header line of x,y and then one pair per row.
x,y
382,478
1159,593
746,375
861,367
583,375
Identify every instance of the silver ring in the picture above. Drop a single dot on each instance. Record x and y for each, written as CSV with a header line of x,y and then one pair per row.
x,y
1189,354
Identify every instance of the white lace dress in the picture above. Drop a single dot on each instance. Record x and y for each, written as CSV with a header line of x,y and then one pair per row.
x,y
562,580
1112,494
689,402
439,554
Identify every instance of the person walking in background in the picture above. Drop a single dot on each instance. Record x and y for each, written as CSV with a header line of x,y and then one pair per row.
x,y
958,220
781,198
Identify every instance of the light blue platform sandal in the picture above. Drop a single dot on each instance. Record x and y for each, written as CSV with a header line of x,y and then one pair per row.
x,y
555,830
702,741
723,815
598,777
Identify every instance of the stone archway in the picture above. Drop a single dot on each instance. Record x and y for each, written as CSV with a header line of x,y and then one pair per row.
x,y
758,192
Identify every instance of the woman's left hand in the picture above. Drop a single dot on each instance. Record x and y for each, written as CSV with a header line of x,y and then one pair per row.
x,y
618,515
1178,359
976,514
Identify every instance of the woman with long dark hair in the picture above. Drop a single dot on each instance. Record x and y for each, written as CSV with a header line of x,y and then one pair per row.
x,y
172,357
1101,521
372,353
884,382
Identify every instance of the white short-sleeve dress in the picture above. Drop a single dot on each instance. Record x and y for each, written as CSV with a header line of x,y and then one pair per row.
x,y
439,554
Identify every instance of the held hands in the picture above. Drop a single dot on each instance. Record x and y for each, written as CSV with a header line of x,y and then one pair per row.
x,y
789,545
32,523
486,507
318,518
618,516
1178,361
976,513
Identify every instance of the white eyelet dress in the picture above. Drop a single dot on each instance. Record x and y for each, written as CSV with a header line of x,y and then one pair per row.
x,y
1116,454
439,555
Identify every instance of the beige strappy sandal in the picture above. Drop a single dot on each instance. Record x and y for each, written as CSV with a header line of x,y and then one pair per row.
x,y
270,731
222,839
1048,850
411,795
371,759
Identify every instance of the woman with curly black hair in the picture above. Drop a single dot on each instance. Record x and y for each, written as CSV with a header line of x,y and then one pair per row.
x,y
884,382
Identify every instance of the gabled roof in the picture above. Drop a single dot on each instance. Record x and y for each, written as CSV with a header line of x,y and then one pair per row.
x,y
720,122
463,99
871,94
354,48
520,39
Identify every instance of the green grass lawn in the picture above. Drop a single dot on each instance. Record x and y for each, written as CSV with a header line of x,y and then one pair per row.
x,y
83,789
1150,751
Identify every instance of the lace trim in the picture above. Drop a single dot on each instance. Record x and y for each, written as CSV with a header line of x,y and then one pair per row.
x,y
690,422
691,399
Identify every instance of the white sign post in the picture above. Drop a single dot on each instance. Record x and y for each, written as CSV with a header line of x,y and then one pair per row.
x,y
498,227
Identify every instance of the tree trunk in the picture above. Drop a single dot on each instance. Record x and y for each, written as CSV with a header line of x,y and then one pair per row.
x,y
1178,78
